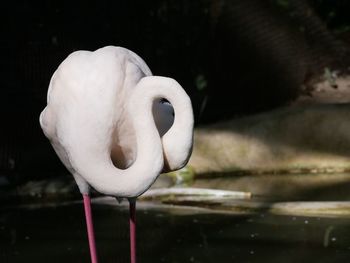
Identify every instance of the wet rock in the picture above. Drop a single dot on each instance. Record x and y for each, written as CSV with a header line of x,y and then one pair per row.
x,y
303,138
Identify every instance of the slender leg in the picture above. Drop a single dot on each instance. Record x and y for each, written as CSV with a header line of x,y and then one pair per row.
x,y
132,222
90,228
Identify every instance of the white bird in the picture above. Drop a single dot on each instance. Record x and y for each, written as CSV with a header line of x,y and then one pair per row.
x,y
115,126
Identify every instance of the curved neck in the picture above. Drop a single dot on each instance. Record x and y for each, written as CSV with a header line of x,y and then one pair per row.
x,y
149,162
177,142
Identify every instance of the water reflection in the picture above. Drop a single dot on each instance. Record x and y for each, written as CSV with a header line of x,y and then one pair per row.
x,y
57,234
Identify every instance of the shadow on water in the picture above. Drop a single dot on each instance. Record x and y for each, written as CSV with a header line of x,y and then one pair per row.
x,y
57,234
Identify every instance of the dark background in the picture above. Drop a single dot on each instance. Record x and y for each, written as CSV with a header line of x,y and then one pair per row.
x,y
234,58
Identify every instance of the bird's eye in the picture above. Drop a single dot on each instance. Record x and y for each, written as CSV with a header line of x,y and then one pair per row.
x,y
163,100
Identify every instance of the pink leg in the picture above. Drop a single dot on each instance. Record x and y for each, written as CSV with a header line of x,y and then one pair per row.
x,y
90,228
132,222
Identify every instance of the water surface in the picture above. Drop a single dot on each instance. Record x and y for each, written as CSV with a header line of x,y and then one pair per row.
x,y
57,234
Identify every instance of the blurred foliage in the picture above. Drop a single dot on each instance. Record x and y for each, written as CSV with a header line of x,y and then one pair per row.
x,y
335,13
282,3
184,176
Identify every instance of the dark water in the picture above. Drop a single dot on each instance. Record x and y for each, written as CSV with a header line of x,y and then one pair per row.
x,y
57,234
